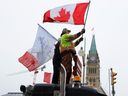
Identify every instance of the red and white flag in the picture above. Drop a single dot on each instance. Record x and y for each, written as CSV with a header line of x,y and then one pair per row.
x,y
79,66
47,77
29,61
41,52
73,14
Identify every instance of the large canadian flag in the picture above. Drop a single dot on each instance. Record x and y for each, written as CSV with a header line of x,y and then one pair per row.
x,y
73,14
41,52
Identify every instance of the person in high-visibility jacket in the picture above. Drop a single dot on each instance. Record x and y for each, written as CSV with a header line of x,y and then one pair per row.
x,y
67,50
67,39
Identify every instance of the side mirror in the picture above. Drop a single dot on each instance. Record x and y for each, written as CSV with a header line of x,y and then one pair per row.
x,y
23,89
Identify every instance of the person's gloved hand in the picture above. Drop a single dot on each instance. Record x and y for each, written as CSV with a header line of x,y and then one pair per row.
x,y
81,39
83,31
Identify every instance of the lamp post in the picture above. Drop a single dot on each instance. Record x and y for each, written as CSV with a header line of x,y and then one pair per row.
x,y
82,54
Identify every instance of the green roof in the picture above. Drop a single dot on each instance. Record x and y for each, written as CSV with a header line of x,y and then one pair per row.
x,y
93,49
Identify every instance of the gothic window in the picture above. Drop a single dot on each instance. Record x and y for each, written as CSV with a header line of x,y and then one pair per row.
x,y
90,70
93,70
94,80
90,80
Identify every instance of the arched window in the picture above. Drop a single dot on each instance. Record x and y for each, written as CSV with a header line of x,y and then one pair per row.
x,y
94,80
90,80
95,70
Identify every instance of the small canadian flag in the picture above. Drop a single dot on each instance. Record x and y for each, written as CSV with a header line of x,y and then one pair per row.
x,y
72,13
47,77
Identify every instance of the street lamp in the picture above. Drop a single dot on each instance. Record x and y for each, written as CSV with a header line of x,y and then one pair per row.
x,y
82,54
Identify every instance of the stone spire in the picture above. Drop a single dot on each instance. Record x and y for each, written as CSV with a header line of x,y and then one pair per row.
x,y
93,49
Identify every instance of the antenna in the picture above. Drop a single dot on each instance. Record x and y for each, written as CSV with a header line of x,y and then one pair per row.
x,y
93,29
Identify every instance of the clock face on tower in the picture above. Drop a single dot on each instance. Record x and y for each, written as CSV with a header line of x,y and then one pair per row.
x,y
93,58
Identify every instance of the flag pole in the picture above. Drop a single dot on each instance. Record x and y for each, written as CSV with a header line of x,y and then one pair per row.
x,y
84,63
87,14
35,75
83,57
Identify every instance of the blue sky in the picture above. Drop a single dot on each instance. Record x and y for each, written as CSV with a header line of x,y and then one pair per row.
x,y
19,19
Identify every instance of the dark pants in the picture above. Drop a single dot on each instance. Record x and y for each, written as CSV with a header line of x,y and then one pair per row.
x,y
67,62
56,71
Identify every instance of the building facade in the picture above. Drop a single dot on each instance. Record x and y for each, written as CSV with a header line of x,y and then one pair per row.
x,y
93,66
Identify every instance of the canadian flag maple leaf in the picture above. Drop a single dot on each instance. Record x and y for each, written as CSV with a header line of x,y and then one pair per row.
x,y
64,16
